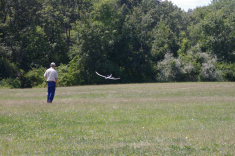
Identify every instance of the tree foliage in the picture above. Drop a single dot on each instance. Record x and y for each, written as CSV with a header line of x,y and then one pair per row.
x,y
139,41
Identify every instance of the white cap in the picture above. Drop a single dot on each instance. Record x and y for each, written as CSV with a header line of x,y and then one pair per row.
x,y
53,64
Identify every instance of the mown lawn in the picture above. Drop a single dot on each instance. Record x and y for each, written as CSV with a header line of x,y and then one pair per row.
x,y
126,119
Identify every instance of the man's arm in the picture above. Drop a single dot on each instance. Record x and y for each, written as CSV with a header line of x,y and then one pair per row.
x,y
45,75
56,76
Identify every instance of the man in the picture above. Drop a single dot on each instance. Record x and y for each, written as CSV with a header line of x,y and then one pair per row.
x,y
51,76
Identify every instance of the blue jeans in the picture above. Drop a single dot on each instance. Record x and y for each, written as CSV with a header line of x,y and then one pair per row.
x,y
50,91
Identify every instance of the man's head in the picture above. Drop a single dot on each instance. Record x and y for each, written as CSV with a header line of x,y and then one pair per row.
x,y
53,64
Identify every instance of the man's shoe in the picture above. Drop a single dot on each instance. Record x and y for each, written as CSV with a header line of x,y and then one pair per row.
x,y
49,102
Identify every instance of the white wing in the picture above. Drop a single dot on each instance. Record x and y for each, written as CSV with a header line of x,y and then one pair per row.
x,y
100,75
112,78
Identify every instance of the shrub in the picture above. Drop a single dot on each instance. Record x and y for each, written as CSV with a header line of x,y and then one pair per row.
x,y
7,69
69,75
36,76
227,69
209,71
193,66
10,83
170,69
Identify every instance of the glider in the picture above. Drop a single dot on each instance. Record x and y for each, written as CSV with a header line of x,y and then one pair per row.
x,y
108,77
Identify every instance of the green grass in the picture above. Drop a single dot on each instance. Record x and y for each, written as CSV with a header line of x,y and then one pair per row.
x,y
130,119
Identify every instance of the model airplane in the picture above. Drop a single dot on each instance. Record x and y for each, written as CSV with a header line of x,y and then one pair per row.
x,y
108,77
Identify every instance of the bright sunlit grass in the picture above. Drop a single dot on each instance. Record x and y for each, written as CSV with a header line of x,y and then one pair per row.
x,y
129,119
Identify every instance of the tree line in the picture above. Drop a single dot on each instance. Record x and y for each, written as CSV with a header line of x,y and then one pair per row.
x,y
138,41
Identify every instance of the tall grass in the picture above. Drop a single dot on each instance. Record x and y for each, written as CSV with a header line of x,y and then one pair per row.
x,y
130,119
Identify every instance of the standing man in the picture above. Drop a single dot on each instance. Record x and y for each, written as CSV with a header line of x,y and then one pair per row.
x,y
51,76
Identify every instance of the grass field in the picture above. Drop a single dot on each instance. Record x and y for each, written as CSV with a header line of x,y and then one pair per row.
x,y
126,119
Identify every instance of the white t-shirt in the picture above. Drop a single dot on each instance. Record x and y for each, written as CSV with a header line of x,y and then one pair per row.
x,y
51,74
